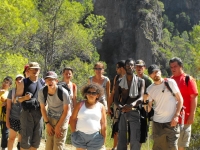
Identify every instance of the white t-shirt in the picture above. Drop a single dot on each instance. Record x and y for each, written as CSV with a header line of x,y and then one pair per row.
x,y
164,102
89,119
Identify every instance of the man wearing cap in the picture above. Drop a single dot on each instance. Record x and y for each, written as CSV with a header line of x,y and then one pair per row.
x,y
57,116
167,106
31,117
127,97
140,68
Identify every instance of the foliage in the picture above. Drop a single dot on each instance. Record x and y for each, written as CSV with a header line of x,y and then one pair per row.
x,y
11,64
17,23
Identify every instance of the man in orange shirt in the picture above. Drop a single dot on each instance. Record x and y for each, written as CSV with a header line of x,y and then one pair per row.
x,y
188,89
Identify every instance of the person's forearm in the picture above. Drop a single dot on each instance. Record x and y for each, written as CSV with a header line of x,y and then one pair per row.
x,y
103,131
73,125
193,105
7,114
44,114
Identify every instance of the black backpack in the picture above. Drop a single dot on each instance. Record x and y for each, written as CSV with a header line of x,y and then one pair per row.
x,y
60,91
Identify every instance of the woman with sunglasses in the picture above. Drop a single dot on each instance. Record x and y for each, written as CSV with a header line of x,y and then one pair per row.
x,y
88,120
13,112
101,80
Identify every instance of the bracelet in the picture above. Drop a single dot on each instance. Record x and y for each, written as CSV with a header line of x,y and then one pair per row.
x,y
47,122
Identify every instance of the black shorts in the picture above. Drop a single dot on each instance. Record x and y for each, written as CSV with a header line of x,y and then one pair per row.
x,y
14,124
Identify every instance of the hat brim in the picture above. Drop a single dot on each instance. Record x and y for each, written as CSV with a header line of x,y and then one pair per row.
x,y
139,65
34,67
52,77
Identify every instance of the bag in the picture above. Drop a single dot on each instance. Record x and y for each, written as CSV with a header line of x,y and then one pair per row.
x,y
60,91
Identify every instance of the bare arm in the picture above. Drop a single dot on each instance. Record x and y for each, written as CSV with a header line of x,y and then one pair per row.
x,y
8,108
49,127
74,96
108,91
193,100
103,123
179,105
73,119
58,131
110,100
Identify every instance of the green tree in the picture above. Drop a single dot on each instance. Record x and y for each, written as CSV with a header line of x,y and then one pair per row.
x,y
11,64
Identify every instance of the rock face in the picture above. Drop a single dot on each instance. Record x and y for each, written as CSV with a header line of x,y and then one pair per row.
x,y
190,7
132,26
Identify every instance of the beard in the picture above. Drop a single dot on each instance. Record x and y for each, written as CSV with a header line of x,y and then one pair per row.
x,y
157,78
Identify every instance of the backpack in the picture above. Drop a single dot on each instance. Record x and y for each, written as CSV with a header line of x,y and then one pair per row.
x,y
61,85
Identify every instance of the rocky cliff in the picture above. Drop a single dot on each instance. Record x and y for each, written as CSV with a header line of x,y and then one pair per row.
x,y
132,26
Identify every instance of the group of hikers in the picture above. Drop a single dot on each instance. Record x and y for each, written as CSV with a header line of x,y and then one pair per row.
x,y
134,100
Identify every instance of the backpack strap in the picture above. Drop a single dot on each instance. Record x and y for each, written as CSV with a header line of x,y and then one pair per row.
x,y
60,92
45,92
187,78
168,87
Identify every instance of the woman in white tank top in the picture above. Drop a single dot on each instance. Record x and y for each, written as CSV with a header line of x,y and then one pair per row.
x,y
88,121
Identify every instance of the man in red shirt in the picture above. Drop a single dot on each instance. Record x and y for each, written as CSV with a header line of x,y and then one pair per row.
x,y
189,91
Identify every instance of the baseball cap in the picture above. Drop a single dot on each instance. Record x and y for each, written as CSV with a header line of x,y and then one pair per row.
x,y
51,74
19,75
140,62
33,65
153,68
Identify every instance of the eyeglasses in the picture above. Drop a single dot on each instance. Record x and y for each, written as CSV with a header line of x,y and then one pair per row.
x,y
98,68
91,93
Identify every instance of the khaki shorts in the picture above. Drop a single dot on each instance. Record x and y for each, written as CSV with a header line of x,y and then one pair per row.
x,y
185,134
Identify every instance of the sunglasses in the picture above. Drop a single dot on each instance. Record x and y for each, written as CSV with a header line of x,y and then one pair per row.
x,y
98,68
91,93
35,69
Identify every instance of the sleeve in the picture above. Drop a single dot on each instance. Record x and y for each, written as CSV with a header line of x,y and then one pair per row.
x,y
41,96
173,85
192,86
9,95
148,90
66,97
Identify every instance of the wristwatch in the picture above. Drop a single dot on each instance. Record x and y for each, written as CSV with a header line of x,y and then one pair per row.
x,y
46,122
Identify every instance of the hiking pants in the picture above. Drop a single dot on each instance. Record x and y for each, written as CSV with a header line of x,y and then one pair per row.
x,y
4,132
133,118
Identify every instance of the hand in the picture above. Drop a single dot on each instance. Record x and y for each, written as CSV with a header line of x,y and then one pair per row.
x,y
28,96
174,121
58,132
190,119
50,129
127,108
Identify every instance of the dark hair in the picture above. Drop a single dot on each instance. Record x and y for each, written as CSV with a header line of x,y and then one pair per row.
x,y
68,68
121,63
128,60
99,89
8,78
176,59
